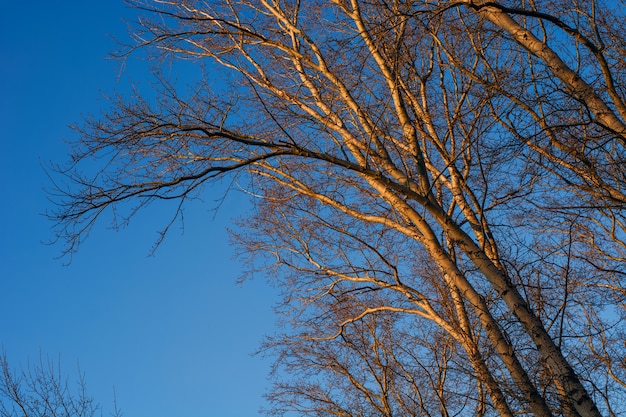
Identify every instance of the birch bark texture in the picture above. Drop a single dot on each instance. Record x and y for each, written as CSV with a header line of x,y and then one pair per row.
x,y
439,190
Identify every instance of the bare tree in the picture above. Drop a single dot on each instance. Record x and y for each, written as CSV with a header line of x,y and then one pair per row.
x,y
42,390
462,160
375,367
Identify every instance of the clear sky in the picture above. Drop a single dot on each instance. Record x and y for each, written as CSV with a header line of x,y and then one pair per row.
x,y
172,333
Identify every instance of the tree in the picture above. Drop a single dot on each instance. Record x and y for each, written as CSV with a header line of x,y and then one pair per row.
x,y
42,391
447,165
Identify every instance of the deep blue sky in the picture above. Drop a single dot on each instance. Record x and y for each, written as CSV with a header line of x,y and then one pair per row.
x,y
172,333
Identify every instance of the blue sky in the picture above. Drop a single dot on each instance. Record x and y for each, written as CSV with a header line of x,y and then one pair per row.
x,y
172,333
